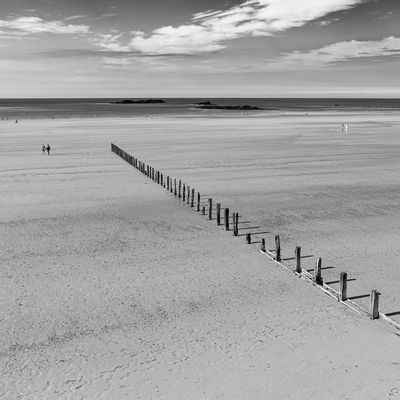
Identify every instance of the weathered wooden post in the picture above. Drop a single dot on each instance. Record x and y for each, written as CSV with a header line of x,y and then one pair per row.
x,y
297,256
209,208
218,214
184,193
227,219
175,192
235,224
188,195
192,199
343,286
204,210
168,183
198,201
374,307
262,247
317,278
158,177
248,238
277,248
180,189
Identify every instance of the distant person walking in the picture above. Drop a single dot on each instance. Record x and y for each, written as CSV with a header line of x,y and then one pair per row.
x,y
43,149
48,148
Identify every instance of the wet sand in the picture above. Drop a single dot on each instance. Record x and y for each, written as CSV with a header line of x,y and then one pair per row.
x,y
109,289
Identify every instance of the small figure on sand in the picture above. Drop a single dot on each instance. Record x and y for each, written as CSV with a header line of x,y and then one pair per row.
x,y
43,149
48,148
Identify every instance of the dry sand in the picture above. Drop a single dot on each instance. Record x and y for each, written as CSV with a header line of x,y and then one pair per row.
x,y
109,289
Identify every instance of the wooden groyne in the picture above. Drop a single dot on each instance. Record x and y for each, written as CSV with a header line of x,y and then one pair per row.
x,y
188,195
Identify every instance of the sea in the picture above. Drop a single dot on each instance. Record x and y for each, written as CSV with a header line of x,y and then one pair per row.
x,y
103,108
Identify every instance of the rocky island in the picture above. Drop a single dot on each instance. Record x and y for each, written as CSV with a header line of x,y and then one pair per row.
x,y
211,106
146,101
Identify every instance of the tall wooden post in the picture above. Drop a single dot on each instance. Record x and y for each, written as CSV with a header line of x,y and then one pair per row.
x,y
277,248
180,189
343,286
262,248
175,192
184,193
192,199
235,224
227,219
218,214
188,195
374,307
168,183
317,278
198,202
297,256
209,208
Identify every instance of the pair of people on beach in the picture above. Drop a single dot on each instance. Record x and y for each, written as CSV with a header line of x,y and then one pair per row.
x,y
46,148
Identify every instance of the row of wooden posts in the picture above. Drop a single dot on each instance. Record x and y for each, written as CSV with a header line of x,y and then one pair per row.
x,y
188,195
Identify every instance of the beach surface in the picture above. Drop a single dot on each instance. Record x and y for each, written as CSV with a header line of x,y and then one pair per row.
x,y
110,288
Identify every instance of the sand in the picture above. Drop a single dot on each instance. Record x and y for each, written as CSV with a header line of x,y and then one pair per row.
x,y
109,289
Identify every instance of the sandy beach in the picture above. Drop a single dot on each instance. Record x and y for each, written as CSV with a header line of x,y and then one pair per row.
x,y
111,289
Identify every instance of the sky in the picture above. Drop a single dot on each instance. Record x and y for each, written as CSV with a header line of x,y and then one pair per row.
x,y
199,48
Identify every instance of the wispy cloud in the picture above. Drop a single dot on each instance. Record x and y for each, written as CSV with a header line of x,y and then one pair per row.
x,y
337,52
35,25
208,31
73,17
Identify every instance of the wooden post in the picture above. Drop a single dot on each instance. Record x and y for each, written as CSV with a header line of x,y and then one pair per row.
x,y
204,210
209,208
343,286
188,195
277,248
218,214
184,193
297,256
235,224
192,199
198,202
262,247
180,189
175,192
162,180
248,238
374,308
168,183
227,219
317,278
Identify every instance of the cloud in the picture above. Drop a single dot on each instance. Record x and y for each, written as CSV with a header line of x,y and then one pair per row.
x,y
78,16
208,31
337,52
35,25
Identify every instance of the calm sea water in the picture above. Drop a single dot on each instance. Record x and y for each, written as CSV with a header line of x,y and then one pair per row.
x,y
91,108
